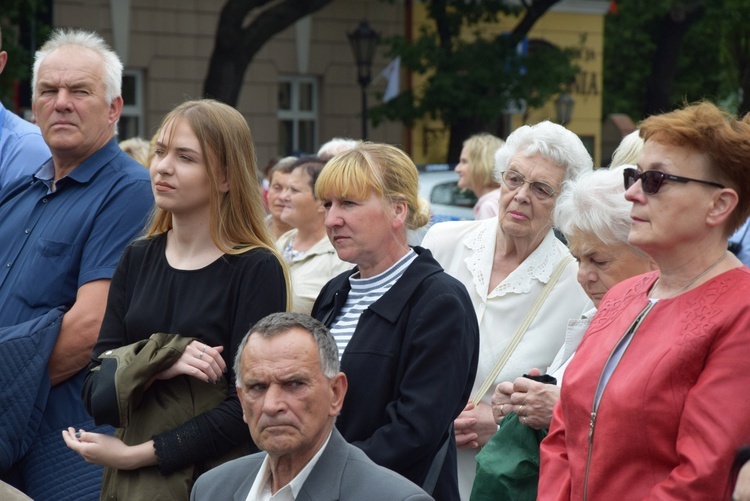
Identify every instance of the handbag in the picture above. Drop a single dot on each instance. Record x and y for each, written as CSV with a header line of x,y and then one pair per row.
x,y
508,465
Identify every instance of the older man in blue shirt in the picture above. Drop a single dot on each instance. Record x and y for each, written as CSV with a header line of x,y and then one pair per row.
x,y
63,231
22,149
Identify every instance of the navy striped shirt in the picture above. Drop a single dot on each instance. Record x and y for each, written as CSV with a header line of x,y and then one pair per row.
x,y
364,292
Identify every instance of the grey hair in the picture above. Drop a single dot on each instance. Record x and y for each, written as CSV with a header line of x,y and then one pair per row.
x,y
628,150
66,37
594,203
552,141
279,323
335,146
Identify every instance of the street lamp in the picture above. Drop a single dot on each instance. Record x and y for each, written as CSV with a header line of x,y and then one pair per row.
x,y
564,107
364,40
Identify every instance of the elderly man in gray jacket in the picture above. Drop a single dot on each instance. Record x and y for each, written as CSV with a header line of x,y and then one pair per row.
x,y
291,391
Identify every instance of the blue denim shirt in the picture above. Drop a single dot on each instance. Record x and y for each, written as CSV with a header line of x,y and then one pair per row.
x,y
54,242
22,148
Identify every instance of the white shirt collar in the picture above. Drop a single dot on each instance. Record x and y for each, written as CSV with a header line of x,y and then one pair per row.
x,y
261,489
538,266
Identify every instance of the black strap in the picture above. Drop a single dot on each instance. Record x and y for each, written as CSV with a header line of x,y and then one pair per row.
x,y
437,464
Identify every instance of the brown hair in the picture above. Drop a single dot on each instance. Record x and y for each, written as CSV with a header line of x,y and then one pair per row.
x,y
237,217
313,166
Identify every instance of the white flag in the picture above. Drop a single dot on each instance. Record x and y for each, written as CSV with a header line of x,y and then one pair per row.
x,y
392,73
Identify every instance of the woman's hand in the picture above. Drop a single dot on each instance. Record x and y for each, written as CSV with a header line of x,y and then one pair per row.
x,y
199,361
532,401
742,487
501,404
106,450
474,426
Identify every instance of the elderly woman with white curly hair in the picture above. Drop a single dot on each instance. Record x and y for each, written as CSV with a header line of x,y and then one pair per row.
x,y
594,217
521,278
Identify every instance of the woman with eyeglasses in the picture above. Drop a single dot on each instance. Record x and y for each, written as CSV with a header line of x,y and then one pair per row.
x,y
653,404
506,263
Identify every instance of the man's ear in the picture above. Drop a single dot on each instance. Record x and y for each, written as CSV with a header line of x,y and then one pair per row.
x,y
723,203
339,385
115,110
3,60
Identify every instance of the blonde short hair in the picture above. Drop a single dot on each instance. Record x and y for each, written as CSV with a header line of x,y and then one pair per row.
x,y
481,148
375,168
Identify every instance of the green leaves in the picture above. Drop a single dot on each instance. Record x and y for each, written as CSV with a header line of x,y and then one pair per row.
x,y
14,14
713,56
469,74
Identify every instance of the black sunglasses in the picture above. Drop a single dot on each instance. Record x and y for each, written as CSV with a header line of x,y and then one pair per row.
x,y
651,180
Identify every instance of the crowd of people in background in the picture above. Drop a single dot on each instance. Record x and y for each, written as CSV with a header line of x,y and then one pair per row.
x,y
178,323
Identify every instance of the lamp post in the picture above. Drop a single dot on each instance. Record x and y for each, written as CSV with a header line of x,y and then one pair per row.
x,y
564,107
364,40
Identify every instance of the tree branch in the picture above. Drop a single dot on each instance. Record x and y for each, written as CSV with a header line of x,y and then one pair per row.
x,y
533,12
239,40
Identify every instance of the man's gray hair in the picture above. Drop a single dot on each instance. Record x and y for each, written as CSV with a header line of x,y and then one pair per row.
x,y
279,323
552,141
594,203
66,37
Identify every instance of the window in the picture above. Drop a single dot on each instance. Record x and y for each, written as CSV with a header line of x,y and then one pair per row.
x,y
298,115
131,119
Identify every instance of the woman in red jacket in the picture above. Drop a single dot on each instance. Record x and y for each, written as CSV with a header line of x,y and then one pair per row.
x,y
649,406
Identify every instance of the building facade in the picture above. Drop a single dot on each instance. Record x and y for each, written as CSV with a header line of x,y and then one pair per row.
x,y
301,88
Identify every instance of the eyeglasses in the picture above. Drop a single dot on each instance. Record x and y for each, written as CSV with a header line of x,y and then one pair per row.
x,y
651,180
514,181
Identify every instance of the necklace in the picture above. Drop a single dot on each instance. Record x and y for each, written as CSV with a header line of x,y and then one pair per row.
x,y
698,277
290,253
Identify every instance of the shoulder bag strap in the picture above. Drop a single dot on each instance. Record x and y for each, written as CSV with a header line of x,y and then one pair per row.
x,y
522,328
436,466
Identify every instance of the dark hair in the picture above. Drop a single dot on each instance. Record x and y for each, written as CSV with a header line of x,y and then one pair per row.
x,y
313,166
266,171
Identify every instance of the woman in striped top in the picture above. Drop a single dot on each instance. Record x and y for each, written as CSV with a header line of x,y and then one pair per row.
x,y
406,330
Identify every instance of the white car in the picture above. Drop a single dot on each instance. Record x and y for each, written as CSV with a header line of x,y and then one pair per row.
x,y
448,202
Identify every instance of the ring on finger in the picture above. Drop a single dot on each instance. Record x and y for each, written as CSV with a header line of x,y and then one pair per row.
x,y
202,352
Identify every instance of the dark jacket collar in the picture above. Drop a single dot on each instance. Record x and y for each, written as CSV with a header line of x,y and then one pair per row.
x,y
395,300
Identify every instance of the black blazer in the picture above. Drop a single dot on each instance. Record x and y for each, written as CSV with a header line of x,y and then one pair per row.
x,y
411,365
